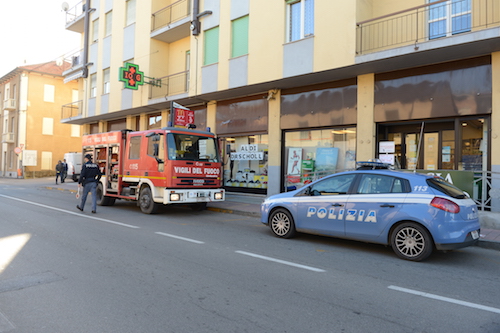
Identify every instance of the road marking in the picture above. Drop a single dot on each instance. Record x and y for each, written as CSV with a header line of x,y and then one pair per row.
x,y
281,261
73,213
446,299
179,237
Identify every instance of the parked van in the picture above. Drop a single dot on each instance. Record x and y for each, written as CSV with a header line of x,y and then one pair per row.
x,y
74,161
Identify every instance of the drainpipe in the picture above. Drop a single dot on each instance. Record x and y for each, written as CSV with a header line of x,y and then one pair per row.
x,y
195,23
87,9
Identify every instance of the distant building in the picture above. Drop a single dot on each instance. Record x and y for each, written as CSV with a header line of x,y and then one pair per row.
x,y
33,137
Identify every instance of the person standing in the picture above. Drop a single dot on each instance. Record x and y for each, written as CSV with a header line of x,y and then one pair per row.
x,y
64,172
59,170
89,177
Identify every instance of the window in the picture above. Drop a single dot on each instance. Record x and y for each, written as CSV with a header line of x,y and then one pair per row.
x,y
107,83
47,126
191,148
135,148
374,184
239,42
156,146
449,18
95,30
109,23
300,19
47,160
211,46
130,12
48,93
93,85
332,186
154,121
75,131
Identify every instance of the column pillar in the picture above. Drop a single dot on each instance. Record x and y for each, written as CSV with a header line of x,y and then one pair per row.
x,y
365,131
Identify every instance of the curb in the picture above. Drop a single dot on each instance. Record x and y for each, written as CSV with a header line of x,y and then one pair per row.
x,y
488,245
230,211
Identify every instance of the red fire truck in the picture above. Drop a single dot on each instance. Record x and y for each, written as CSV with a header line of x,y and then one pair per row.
x,y
157,167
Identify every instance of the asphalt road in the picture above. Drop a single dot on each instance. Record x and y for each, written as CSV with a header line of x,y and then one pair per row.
x,y
182,271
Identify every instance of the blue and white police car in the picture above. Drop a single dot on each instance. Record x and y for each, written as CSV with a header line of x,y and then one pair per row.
x,y
413,213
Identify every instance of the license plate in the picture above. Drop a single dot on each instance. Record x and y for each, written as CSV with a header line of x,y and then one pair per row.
x,y
474,234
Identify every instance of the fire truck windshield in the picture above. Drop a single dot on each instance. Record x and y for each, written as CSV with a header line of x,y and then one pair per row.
x,y
191,148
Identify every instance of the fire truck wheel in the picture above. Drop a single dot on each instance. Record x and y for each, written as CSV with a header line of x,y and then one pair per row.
x,y
148,206
103,200
199,206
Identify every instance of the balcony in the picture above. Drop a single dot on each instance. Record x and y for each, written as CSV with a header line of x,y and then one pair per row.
x,y
9,104
75,60
434,21
75,17
170,85
172,23
8,137
71,110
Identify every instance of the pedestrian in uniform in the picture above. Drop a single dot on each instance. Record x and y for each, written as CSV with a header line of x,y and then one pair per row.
x,y
64,172
59,170
89,177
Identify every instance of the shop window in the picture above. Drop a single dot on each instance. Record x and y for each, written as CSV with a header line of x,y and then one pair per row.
x,y
154,121
312,154
246,162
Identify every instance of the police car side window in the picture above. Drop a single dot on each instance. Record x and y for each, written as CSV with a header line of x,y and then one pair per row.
x,y
375,184
332,186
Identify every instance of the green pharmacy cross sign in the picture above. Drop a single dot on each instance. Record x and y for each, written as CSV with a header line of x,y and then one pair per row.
x,y
131,76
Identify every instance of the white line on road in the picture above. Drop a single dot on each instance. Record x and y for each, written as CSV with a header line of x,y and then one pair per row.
x,y
281,261
73,213
446,299
179,237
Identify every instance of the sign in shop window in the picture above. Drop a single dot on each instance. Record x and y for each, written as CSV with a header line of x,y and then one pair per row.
x,y
250,165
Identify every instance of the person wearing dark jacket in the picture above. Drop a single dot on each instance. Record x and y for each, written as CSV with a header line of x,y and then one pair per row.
x,y
89,177
59,170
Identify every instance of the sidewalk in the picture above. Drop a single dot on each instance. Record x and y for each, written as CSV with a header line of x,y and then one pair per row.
x,y
249,205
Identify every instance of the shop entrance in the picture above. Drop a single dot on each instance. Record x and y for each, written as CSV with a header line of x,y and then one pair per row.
x,y
459,144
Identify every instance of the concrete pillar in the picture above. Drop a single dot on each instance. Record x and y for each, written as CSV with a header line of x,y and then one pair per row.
x,y
274,148
211,116
365,131
165,117
495,132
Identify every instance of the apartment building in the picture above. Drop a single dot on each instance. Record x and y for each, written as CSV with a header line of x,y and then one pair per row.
x,y
33,137
310,86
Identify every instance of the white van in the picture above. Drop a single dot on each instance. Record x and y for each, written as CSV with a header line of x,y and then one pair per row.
x,y
74,161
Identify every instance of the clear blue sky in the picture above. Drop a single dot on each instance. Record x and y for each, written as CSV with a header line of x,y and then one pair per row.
x,y
33,31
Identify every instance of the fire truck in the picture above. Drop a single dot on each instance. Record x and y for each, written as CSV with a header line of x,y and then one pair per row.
x,y
157,167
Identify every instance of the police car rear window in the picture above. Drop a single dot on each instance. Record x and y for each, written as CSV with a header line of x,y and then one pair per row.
x,y
446,188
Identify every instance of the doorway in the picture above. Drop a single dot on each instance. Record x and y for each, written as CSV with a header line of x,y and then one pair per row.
x,y
458,144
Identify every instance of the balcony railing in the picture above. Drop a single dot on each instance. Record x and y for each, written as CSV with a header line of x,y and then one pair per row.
x,y
9,104
71,110
170,85
434,20
176,11
8,137
74,17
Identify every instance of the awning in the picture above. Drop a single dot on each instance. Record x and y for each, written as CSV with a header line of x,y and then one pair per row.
x,y
72,77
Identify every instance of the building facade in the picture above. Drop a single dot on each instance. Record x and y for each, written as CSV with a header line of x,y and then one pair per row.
x,y
298,88
33,137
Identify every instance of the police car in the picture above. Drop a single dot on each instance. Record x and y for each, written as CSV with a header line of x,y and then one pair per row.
x,y
413,213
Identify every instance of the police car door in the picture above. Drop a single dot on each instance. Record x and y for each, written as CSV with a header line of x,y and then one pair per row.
x,y
373,205
322,207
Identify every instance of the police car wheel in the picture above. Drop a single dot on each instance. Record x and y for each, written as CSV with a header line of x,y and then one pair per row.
x,y
148,206
412,242
281,223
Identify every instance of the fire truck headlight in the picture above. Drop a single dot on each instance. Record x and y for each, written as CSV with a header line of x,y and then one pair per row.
x,y
218,196
175,197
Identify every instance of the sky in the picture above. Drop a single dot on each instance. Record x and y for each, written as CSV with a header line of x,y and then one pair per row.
x,y
33,32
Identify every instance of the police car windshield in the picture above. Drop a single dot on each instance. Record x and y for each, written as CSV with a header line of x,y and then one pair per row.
x,y
191,148
444,187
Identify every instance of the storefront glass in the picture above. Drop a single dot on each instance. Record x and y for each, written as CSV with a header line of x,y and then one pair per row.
x,y
245,163
312,154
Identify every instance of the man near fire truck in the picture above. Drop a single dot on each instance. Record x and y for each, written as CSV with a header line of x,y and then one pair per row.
x,y
89,177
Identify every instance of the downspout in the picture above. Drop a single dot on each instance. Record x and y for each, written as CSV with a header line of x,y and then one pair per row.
x,y
87,9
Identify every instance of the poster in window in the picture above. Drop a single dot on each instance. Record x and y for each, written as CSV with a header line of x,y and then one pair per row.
x,y
294,161
326,158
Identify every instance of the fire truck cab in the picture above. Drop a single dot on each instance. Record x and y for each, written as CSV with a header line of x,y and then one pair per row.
x,y
157,167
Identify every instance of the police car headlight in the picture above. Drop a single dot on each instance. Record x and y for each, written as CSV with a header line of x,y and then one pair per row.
x,y
175,197
218,196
